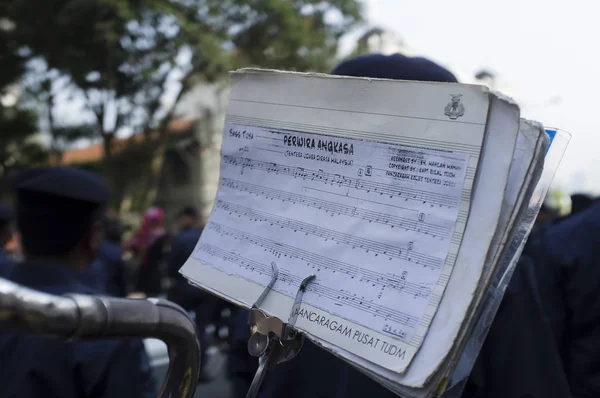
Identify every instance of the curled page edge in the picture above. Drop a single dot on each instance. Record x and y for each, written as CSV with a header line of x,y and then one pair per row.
x,y
455,383
413,382
450,382
239,73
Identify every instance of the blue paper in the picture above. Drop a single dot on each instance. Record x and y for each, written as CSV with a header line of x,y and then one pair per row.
x,y
551,134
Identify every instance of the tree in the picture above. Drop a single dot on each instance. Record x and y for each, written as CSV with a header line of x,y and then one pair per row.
x,y
44,88
290,35
16,149
117,55
17,125
127,57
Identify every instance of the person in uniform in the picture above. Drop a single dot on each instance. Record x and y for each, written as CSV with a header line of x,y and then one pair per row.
x,y
188,224
6,218
58,213
182,246
111,255
181,292
241,366
567,259
518,359
580,202
107,272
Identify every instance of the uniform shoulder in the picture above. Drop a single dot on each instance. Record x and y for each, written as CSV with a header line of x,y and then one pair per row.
x,y
582,226
187,236
572,240
111,251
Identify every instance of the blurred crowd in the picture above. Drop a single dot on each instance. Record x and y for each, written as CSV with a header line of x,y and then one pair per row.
x,y
60,238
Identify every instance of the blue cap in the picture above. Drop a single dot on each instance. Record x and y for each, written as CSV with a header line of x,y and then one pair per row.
x,y
64,182
395,66
6,213
189,211
56,206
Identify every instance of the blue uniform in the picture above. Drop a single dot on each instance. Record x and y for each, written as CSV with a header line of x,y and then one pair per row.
x,y
41,367
6,265
182,247
567,256
182,293
241,366
111,255
95,277
519,357
107,273
187,296
57,209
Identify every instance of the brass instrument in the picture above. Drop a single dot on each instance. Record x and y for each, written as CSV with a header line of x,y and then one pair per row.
x,y
78,317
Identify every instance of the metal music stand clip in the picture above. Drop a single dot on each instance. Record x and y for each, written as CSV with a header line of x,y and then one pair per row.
x,y
272,340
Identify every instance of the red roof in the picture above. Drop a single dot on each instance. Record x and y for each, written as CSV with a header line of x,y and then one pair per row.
x,y
95,152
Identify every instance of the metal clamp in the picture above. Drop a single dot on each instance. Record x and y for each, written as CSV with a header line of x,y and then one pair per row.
x,y
272,340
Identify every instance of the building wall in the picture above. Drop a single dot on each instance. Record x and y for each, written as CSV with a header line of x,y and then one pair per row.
x,y
180,178
190,174
210,136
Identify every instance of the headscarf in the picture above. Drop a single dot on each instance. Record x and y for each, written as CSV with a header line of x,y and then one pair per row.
x,y
151,229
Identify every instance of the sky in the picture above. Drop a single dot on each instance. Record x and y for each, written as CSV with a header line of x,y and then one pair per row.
x,y
544,53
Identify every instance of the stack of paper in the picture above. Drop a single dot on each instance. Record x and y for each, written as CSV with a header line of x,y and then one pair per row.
x,y
399,196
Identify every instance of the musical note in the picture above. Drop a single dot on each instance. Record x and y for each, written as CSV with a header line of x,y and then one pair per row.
x,y
381,236
368,186
341,209
327,234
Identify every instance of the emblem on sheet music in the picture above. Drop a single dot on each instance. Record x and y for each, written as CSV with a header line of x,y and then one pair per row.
x,y
455,108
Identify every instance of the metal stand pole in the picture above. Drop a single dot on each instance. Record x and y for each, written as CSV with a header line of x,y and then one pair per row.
x,y
272,340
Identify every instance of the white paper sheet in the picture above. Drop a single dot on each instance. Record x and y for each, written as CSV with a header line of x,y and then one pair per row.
x,y
524,175
322,211
490,185
373,221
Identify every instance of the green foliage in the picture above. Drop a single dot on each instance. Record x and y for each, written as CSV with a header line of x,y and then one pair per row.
x,y
117,55
17,126
16,148
122,56
291,35
121,53
64,136
12,64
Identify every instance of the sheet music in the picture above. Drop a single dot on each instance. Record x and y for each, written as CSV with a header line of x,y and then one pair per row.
x,y
330,179
373,221
489,188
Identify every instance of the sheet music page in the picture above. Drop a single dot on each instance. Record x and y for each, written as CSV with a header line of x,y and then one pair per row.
x,y
425,372
523,177
524,162
379,222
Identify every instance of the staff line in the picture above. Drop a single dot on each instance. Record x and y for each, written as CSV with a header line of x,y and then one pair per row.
x,y
422,227
322,290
